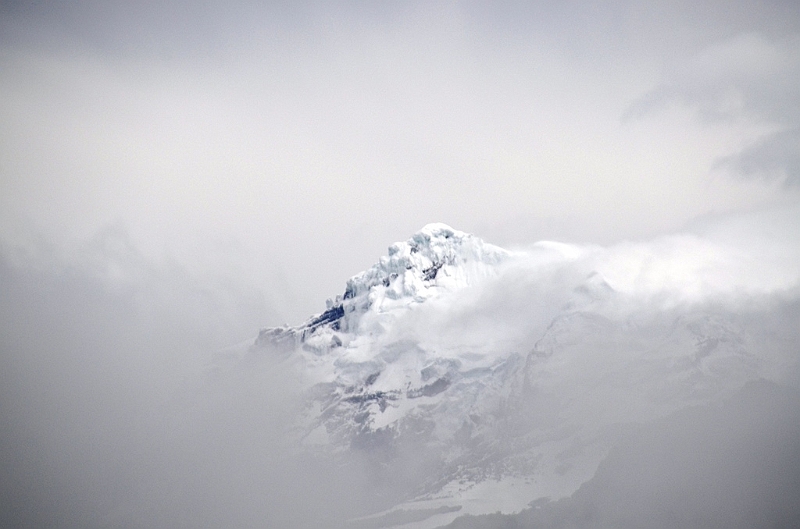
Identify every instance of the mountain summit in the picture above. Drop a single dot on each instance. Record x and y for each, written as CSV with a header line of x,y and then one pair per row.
x,y
435,260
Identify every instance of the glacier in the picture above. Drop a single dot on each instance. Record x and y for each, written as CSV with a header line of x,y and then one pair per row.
x,y
473,379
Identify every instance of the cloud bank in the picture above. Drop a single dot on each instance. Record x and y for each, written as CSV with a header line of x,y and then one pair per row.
x,y
123,407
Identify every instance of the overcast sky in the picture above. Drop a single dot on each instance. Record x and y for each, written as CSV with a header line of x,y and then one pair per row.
x,y
175,175
283,146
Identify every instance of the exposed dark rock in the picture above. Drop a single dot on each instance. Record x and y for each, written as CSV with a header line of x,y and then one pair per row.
x,y
349,292
429,274
434,388
366,397
331,315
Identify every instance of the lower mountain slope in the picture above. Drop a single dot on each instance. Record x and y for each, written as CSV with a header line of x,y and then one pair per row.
x,y
467,379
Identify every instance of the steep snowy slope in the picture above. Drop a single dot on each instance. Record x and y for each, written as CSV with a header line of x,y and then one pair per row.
x,y
417,370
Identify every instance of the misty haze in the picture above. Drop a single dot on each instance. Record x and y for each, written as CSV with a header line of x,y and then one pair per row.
x,y
409,266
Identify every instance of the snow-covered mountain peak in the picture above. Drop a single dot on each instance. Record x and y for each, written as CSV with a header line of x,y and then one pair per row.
x,y
435,257
434,260
518,379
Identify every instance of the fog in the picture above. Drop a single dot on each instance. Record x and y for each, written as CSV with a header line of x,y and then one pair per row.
x,y
111,416
728,466
175,177
125,404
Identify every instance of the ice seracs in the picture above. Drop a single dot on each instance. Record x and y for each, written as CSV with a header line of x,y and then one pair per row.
x,y
435,260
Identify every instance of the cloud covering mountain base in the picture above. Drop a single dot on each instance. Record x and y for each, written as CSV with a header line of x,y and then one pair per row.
x,y
651,381
731,466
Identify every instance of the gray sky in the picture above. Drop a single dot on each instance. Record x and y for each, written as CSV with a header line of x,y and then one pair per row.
x,y
284,146
175,175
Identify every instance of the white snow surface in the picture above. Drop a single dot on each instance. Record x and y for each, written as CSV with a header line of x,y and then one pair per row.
x,y
436,259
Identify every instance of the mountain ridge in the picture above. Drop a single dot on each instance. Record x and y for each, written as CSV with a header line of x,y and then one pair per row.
x,y
493,423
